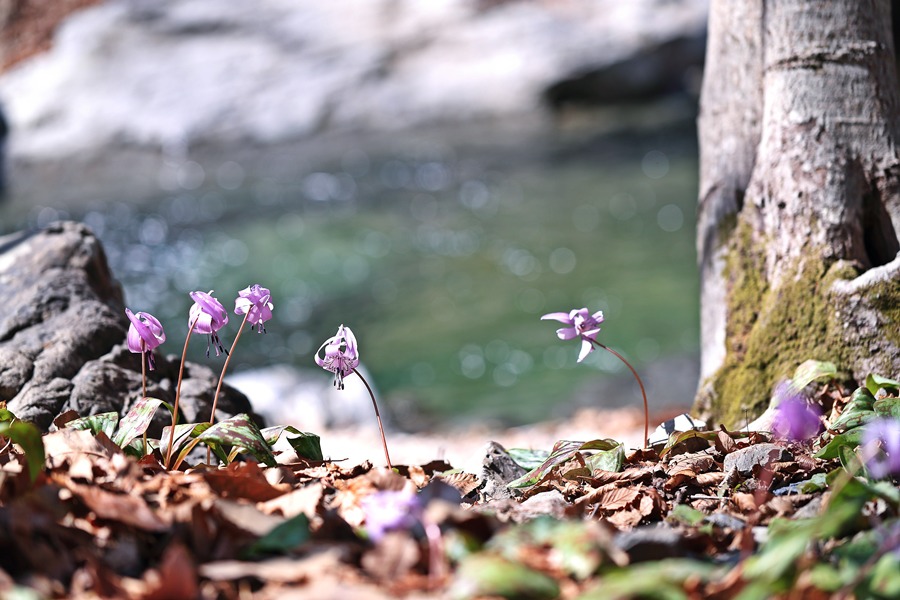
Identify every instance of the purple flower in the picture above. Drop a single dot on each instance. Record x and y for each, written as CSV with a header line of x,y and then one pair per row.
x,y
390,511
886,433
144,334
210,316
255,301
795,419
341,356
581,324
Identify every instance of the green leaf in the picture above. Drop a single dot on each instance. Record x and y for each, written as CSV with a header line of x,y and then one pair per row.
x,y
660,579
489,575
281,539
679,437
105,422
6,414
29,438
184,432
240,431
886,576
813,370
528,458
562,451
816,483
858,412
875,382
607,460
852,439
136,422
682,513
306,445
888,407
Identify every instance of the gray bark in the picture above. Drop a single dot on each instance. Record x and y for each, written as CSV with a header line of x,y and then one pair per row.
x,y
799,177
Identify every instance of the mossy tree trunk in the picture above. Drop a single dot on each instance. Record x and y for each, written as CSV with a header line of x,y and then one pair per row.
x,y
799,197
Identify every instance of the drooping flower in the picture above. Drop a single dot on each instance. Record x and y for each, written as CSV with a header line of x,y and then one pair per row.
x,y
886,434
341,356
795,419
144,334
210,316
391,511
255,302
581,324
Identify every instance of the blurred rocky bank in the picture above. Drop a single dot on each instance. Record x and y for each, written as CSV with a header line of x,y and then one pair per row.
x,y
129,84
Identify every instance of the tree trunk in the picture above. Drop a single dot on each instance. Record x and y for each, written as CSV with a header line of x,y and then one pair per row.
x,y
799,207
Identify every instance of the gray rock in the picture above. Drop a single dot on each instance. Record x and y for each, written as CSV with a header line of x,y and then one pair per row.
x,y
653,542
62,336
167,74
499,469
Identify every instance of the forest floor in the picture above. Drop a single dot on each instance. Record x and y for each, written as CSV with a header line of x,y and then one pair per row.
x,y
706,514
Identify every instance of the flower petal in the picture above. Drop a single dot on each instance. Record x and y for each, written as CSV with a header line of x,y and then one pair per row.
x,y
558,316
586,348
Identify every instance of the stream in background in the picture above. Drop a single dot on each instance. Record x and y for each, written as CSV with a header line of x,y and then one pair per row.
x,y
441,259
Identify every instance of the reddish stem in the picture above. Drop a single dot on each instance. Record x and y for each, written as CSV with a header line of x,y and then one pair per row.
x,y
212,414
640,383
377,416
178,393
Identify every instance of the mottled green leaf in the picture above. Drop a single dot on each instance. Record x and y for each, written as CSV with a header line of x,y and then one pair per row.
x,y
562,451
184,433
136,422
885,579
682,513
240,431
813,370
851,438
815,483
658,579
607,460
887,407
6,414
482,574
105,422
859,411
875,382
528,458
281,539
29,438
679,437
306,445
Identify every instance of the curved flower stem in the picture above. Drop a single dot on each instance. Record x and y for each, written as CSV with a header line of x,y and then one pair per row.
x,y
212,414
377,416
178,394
640,383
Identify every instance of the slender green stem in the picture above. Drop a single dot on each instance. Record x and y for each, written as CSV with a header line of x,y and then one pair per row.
x,y
640,383
377,416
178,393
212,414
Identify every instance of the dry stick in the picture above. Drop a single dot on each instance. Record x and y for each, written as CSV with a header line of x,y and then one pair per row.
x,y
377,416
643,392
212,414
178,394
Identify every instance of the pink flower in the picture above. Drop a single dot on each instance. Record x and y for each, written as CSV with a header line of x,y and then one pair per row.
x,y
884,432
795,418
144,334
391,511
341,356
210,316
582,324
255,302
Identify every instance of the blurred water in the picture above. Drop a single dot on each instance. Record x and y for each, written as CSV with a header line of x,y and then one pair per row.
x,y
441,260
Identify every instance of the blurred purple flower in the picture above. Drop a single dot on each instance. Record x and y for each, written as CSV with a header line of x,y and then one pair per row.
x,y
582,324
795,419
144,334
210,316
341,356
390,511
886,433
255,301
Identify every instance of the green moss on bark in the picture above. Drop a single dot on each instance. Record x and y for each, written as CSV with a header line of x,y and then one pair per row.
x,y
771,330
